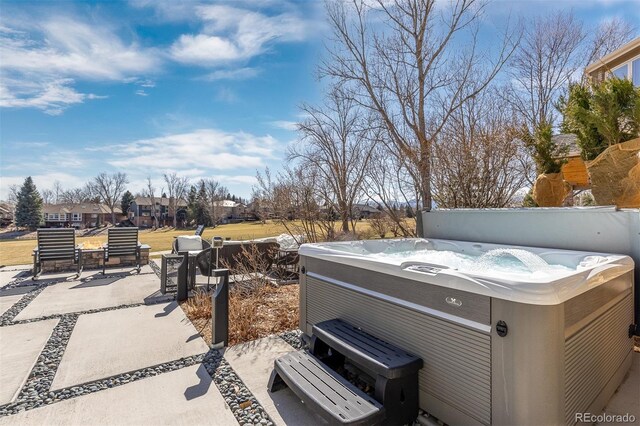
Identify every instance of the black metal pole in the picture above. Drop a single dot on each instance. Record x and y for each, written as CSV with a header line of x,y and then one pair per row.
x,y
220,310
183,278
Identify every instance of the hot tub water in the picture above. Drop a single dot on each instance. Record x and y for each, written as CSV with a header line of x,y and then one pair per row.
x,y
508,260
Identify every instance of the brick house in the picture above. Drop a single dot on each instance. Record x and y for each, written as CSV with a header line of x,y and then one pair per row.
x,y
85,215
141,212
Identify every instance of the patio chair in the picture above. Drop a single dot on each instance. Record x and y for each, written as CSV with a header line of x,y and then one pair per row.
x,y
56,244
121,242
191,243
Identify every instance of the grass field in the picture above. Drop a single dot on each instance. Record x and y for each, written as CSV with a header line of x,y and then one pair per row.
x,y
17,252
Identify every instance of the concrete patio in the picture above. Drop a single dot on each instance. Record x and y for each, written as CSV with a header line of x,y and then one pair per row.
x,y
112,350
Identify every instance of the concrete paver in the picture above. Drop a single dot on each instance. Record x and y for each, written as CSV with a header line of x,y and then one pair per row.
x,y
6,276
626,400
8,301
95,291
253,363
108,343
20,346
182,397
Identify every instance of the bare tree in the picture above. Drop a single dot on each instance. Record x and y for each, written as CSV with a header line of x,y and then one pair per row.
x,y
293,198
57,190
482,161
48,196
391,181
412,70
75,196
12,198
549,55
608,36
177,187
149,192
337,144
216,193
110,189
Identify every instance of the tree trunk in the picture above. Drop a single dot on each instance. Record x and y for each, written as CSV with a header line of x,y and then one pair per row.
x,y
113,217
425,184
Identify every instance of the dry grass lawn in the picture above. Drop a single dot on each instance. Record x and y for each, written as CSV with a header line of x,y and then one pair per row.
x,y
18,251
267,311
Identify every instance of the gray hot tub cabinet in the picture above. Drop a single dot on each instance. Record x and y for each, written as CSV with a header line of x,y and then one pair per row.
x,y
486,360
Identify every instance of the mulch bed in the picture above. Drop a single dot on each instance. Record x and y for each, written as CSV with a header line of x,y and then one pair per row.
x,y
269,310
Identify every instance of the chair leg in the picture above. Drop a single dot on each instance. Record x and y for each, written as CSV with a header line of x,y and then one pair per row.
x,y
138,260
80,264
37,270
104,263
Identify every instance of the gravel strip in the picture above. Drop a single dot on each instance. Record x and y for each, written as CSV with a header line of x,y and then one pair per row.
x,y
90,311
243,404
294,338
10,314
35,391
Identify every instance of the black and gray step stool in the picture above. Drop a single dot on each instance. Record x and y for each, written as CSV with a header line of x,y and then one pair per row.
x,y
324,391
309,376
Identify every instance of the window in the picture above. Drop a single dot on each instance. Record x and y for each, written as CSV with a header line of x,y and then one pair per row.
x,y
621,72
77,217
635,72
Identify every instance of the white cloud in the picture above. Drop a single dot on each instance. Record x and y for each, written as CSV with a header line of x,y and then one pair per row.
x,y
231,34
141,93
224,94
208,149
51,96
284,125
146,83
42,59
42,181
233,74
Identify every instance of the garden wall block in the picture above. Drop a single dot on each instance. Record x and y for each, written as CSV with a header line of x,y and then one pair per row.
x,y
92,259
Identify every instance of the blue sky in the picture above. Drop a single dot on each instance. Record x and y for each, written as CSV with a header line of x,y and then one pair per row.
x,y
207,89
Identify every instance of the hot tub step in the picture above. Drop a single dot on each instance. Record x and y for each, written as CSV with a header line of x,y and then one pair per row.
x,y
372,353
324,390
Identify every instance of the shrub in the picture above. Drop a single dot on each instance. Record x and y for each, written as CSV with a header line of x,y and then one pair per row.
x,y
548,156
601,114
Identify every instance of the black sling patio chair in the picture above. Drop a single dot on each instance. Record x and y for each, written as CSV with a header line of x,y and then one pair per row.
x,y
56,244
121,242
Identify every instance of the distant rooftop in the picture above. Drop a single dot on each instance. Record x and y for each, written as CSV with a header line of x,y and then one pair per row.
x,y
569,140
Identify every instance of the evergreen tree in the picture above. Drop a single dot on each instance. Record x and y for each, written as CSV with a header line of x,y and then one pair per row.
x,y
191,203
409,211
29,206
127,199
201,215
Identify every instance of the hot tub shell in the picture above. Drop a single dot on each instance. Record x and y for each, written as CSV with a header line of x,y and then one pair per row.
x,y
566,348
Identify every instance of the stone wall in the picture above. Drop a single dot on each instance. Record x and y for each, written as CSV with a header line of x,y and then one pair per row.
x,y
92,259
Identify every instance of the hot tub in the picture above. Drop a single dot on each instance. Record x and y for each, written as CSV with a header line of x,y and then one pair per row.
x,y
508,335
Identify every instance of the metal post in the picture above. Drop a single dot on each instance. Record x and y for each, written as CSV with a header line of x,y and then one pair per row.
x,y
183,277
220,310
216,244
163,275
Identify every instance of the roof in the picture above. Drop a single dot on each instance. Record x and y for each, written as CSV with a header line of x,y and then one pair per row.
x,y
627,48
6,208
569,140
163,201
226,203
366,208
87,208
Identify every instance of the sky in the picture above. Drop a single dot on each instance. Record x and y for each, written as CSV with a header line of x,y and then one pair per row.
x,y
205,89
